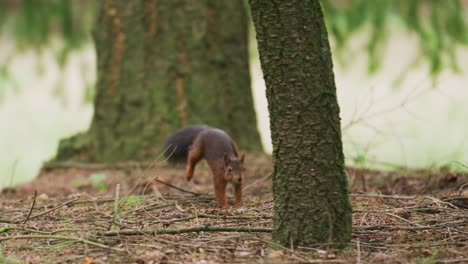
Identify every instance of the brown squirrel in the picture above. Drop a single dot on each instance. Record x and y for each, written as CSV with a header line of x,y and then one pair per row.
x,y
193,143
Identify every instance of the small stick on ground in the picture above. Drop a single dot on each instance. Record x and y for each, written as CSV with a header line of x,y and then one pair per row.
x,y
96,166
257,181
195,229
66,238
358,249
177,188
382,196
32,207
116,206
55,208
460,190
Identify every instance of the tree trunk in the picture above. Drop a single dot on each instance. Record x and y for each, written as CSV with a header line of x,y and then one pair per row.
x,y
309,180
163,65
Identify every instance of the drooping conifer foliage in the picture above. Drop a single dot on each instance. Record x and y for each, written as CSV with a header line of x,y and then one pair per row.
x,y
439,25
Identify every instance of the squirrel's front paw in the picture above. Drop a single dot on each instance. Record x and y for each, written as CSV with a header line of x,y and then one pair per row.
x,y
188,177
188,174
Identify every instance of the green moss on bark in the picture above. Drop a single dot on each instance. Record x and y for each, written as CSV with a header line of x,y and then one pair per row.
x,y
309,181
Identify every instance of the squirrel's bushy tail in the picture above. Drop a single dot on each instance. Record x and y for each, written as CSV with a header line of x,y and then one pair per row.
x,y
177,145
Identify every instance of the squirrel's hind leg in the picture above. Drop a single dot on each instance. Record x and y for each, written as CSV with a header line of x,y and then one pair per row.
x,y
194,156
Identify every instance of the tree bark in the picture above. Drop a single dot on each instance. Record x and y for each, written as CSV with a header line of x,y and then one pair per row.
x,y
163,65
309,180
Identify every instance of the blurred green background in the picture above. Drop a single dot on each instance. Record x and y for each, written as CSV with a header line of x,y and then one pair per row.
x,y
402,82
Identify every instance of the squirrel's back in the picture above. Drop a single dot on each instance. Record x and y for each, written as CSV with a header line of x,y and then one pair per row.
x,y
215,143
177,145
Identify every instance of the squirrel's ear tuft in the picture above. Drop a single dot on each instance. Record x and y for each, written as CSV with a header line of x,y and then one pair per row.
x,y
242,158
227,160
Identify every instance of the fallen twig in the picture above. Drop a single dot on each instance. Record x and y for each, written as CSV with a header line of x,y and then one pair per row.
x,y
177,188
15,228
13,221
461,260
66,238
32,207
96,166
382,196
413,228
55,208
6,221
186,230
255,182
116,207
203,215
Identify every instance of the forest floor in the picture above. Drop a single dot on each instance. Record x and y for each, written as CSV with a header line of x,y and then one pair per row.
x,y
405,216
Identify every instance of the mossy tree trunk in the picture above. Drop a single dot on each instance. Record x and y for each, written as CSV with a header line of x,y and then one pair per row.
x,y
309,180
163,65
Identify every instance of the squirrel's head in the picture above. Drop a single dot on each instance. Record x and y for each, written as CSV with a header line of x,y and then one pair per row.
x,y
234,169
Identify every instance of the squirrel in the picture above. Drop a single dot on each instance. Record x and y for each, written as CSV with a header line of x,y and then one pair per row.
x,y
197,142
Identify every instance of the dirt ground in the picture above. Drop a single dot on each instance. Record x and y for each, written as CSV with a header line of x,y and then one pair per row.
x,y
398,217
